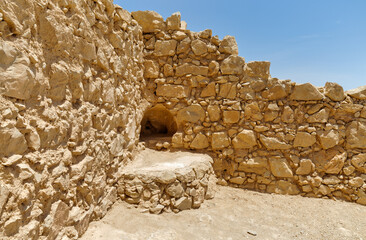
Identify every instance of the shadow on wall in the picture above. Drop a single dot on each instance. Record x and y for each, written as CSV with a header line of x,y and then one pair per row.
x,y
158,122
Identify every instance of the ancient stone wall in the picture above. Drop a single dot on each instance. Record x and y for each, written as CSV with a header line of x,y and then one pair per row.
x,y
265,134
76,78
71,75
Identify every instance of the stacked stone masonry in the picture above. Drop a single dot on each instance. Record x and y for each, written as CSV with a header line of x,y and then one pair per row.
x,y
77,76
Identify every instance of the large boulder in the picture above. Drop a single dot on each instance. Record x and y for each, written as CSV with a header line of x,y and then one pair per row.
x,y
359,93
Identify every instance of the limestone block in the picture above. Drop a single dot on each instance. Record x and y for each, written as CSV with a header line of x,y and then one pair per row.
x,y
285,187
306,92
245,139
331,180
276,91
359,161
200,142
349,170
287,115
193,114
356,135
209,90
334,91
361,197
229,46
335,165
233,65
199,47
187,68
319,117
33,139
17,80
58,80
306,167
220,140
12,142
257,69
257,165
4,194
184,46
173,22
12,225
150,21
183,203
280,167
151,69
227,90
272,143
175,190
253,112
172,91
358,93
168,70
237,180
213,68
123,14
118,145
356,182
304,139
214,113
8,53
177,140
230,117
329,139
165,48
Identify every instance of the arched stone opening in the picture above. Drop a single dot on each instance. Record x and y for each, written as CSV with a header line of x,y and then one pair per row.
x,y
158,122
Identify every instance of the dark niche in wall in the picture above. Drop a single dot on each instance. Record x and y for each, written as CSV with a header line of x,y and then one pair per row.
x,y
158,122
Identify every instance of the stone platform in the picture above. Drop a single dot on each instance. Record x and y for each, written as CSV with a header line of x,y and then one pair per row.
x,y
168,181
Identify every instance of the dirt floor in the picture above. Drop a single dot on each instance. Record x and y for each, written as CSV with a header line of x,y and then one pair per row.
x,y
238,214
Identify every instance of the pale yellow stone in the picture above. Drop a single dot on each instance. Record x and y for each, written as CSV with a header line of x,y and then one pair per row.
x,y
199,47
306,167
232,65
306,92
150,21
358,93
151,69
209,90
230,117
170,90
173,22
335,165
200,142
165,48
214,113
257,69
191,69
245,139
228,45
257,165
280,167
193,113
329,139
272,143
304,139
220,140
334,91
356,135
359,161
319,117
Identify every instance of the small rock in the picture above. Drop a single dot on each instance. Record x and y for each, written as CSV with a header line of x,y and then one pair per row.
x,y
253,233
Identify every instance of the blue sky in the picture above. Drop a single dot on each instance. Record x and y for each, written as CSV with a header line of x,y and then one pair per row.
x,y
314,41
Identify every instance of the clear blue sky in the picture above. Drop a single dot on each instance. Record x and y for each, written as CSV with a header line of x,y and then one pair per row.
x,y
305,40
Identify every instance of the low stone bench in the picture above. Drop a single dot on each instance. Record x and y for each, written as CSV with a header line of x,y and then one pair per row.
x,y
167,181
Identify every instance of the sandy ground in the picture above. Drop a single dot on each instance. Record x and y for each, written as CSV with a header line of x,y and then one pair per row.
x,y
238,214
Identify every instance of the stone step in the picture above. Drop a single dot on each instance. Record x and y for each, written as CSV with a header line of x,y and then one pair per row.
x,y
168,181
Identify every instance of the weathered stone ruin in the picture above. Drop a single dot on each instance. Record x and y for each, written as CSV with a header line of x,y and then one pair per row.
x,y
86,86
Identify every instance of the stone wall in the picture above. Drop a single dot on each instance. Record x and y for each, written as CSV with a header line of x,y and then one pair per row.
x,y
265,134
71,75
76,78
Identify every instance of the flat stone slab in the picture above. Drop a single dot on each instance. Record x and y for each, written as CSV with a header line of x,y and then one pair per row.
x,y
169,181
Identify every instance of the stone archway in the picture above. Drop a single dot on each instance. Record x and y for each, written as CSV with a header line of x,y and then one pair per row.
x,y
158,123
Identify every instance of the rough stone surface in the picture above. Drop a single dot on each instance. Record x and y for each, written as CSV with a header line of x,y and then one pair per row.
x,y
306,92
